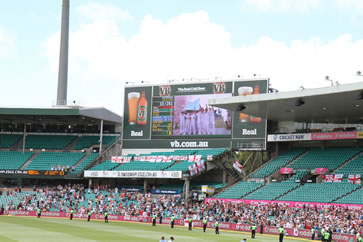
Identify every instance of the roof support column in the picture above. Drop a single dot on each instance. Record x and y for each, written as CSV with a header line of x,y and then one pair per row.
x,y
145,185
186,189
24,134
101,134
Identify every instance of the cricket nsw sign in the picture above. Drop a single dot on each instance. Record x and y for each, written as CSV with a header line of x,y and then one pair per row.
x,y
288,137
133,174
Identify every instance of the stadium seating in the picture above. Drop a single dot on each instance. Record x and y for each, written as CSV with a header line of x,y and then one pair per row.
x,y
239,190
86,162
87,141
57,142
355,197
8,140
105,166
353,167
277,163
47,160
274,190
330,158
143,166
216,185
319,192
13,160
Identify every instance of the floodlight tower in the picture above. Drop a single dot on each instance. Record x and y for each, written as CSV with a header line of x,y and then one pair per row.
x,y
63,56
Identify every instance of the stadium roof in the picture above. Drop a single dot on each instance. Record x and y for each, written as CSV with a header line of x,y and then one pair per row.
x,y
338,104
58,115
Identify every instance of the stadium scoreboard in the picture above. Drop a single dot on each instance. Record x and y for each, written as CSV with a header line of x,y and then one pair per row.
x,y
162,116
178,116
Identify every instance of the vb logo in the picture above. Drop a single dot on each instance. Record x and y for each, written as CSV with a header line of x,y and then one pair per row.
x,y
165,90
219,87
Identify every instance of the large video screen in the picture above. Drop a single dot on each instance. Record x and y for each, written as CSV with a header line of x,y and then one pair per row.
x,y
178,115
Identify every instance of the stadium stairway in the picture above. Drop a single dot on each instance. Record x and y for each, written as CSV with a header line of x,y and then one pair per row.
x,y
29,160
254,175
17,145
82,159
346,164
72,145
347,194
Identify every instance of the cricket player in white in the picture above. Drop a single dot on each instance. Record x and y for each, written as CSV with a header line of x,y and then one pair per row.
x,y
181,123
206,120
200,121
193,121
212,123
187,123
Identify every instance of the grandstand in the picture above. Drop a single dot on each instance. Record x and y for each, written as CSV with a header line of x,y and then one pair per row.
x,y
275,164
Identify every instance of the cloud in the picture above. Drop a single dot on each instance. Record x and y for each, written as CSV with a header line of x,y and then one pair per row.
x,y
96,11
7,44
280,6
355,6
190,45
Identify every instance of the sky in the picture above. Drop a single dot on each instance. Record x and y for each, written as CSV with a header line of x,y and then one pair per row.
x,y
293,42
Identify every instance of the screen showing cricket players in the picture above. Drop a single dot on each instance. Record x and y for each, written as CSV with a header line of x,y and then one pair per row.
x,y
193,116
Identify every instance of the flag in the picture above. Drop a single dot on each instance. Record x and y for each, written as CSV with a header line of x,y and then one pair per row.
x,y
355,179
237,166
328,178
334,178
338,178
194,158
126,159
197,167
116,159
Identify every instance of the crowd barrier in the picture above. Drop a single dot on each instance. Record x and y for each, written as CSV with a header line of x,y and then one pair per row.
x,y
291,204
301,233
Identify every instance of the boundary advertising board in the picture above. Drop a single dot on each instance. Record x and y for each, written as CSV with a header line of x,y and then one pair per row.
x,y
301,233
178,116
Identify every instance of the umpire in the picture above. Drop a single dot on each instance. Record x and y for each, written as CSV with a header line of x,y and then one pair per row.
x,y
253,231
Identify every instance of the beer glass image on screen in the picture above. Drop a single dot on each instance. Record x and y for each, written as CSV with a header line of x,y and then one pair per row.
x,y
193,116
244,91
133,99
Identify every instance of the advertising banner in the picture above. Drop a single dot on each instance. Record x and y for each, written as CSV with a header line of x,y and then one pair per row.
x,y
320,171
133,174
301,233
137,112
288,137
285,170
32,173
290,204
161,191
177,144
247,126
13,172
334,136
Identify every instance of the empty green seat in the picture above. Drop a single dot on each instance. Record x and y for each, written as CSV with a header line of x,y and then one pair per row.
x,y
276,163
49,160
13,160
239,190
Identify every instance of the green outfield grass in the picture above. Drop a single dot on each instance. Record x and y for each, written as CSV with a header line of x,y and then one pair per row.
x,y
59,229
